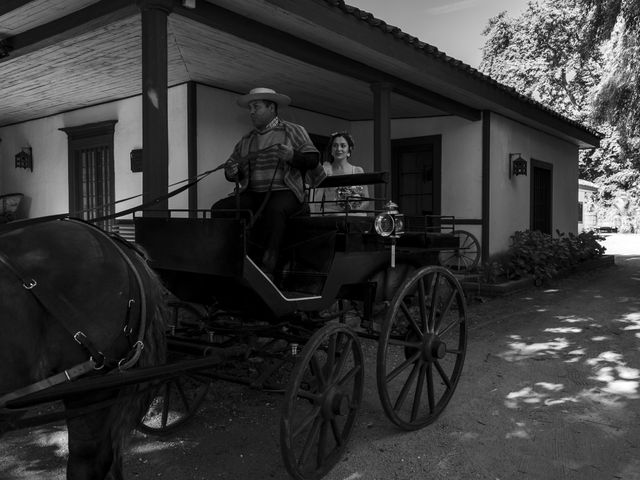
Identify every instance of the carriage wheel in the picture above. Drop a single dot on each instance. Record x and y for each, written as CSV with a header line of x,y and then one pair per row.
x,y
422,348
173,403
466,257
321,402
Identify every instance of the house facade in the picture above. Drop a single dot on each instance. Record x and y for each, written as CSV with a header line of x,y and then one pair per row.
x,y
125,100
587,218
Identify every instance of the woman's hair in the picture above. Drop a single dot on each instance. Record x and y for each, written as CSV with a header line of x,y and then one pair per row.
x,y
346,135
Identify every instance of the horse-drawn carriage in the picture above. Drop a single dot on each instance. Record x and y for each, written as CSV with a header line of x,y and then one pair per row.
x,y
340,280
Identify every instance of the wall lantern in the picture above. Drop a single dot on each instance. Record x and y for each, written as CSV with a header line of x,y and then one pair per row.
x,y
517,165
24,159
136,160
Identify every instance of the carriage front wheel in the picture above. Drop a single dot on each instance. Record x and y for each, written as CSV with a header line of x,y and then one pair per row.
x,y
321,402
422,348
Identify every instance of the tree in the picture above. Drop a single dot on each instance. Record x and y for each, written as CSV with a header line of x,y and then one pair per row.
x,y
539,55
613,27
581,58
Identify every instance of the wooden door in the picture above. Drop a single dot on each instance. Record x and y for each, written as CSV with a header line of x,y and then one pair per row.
x,y
541,196
91,172
417,175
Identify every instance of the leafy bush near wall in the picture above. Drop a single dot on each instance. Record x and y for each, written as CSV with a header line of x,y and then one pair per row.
x,y
540,255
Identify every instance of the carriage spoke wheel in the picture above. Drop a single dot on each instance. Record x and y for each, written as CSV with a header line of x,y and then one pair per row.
x,y
466,257
174,402
321,402
422,348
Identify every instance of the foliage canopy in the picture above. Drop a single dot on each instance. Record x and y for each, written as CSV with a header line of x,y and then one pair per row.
x,y
582,59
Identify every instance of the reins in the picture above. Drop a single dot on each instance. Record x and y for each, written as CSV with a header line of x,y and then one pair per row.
x,y
153,201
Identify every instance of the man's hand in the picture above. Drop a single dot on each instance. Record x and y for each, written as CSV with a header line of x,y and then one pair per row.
x,y
231,169
284,152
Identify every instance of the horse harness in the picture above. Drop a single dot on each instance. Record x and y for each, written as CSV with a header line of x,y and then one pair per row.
x,y
71,320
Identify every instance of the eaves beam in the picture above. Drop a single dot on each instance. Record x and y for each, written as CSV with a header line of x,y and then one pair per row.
x,y
305,51
71,25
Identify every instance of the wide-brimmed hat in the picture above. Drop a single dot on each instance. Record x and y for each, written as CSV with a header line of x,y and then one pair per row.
x,y
262,93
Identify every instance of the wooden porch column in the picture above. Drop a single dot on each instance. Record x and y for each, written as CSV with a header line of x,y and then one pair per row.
x,y
486,185
155,130
382,131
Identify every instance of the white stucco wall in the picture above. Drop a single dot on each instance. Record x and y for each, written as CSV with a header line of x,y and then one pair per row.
x,y
461,160
510,197
221,123
46,189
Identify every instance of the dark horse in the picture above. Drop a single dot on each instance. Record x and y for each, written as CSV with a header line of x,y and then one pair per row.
x,y
58,277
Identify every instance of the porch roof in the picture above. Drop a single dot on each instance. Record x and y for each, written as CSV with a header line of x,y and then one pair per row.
x,y
62,55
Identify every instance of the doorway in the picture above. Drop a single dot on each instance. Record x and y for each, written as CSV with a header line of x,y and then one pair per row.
x,y
416,170
541,196
91,172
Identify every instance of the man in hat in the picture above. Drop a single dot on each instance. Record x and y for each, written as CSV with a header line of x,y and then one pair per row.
x,y
271,165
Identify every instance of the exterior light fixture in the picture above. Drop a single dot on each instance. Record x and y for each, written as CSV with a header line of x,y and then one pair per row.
x,y
390,224
24,159
517,165
136,160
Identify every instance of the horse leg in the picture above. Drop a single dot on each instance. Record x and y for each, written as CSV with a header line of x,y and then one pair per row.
x,y
91,448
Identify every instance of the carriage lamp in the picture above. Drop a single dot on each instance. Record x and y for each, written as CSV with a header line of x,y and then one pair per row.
x,y
390,223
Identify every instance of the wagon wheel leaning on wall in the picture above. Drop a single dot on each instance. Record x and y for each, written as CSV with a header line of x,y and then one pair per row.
x,y
176,400
422,347
466,257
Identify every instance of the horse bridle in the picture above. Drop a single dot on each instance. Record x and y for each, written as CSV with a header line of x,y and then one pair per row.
x,y
71,320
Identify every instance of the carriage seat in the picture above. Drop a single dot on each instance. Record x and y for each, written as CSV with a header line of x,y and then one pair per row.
x,y
305,229
338,223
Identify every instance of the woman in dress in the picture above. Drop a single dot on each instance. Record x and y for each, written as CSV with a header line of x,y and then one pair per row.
x,y
338,200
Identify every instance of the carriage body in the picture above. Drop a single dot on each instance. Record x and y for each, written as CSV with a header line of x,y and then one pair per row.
x,y
203,258
323,258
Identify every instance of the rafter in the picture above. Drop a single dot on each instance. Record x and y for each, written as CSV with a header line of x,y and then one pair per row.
x,y
69,26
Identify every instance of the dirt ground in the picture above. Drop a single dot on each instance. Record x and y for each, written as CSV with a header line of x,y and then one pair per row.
x,y
550,390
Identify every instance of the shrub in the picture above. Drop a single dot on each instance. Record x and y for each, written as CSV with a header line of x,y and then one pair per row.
x,y
541,255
